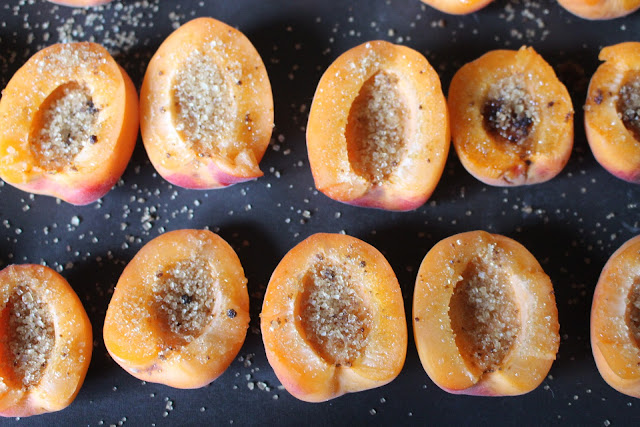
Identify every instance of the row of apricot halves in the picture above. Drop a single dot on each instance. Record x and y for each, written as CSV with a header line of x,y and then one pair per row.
x,y
379,127
588,9
484,318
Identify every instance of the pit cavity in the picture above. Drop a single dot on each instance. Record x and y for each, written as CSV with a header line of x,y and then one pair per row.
x,y
628,105
509,111
184,298
376,128
204,109
30,335
335,318
66,122
633,311
484,315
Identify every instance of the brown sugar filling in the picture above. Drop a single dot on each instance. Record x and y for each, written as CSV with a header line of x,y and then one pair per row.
x,y
628,105
184,298
509,111
633,312
335,318
30,335
484,316
66,122
204,109
376,127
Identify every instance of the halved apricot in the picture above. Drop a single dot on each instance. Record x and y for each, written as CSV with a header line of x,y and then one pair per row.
x,y
333,319
378,131
206,107
69,120
612,111
511,118
484,316
600,9
80,3
457,7
615,320
180,310
45,341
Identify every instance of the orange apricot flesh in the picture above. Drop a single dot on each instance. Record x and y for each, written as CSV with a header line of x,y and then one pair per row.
x,y
615,320
69,120
45,341
612,111
484,316
600,9
206,107
333,319
378,130
180,310
511,118
457,7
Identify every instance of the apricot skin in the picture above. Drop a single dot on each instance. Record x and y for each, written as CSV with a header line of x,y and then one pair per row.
x,y
457,7
612,144
98,173
600,9
165,147
617,356
532,353
74,338
80,3
484,155
417,175
304,372
135,340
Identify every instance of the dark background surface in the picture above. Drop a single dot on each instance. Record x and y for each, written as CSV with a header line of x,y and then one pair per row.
x,y
572,224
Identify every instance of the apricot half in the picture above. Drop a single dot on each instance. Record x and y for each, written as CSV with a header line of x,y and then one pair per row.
x,y
80,3
612,111
333,319
457,7
180,310
600,9
45,341
484,316
69,120
511,118
206,107
378,131
615,320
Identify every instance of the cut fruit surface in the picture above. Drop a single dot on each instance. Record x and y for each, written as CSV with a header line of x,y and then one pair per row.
x,y
615,320
45,341
180,311
70,123
333,319
612,111
457,7
378,131
484,316
600,9
206,107
511,118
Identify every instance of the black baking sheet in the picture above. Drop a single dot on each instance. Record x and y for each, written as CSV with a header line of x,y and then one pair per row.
x,y
572,224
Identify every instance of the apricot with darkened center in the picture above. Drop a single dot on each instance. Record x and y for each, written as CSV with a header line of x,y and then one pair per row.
x,y
511,118
612,111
